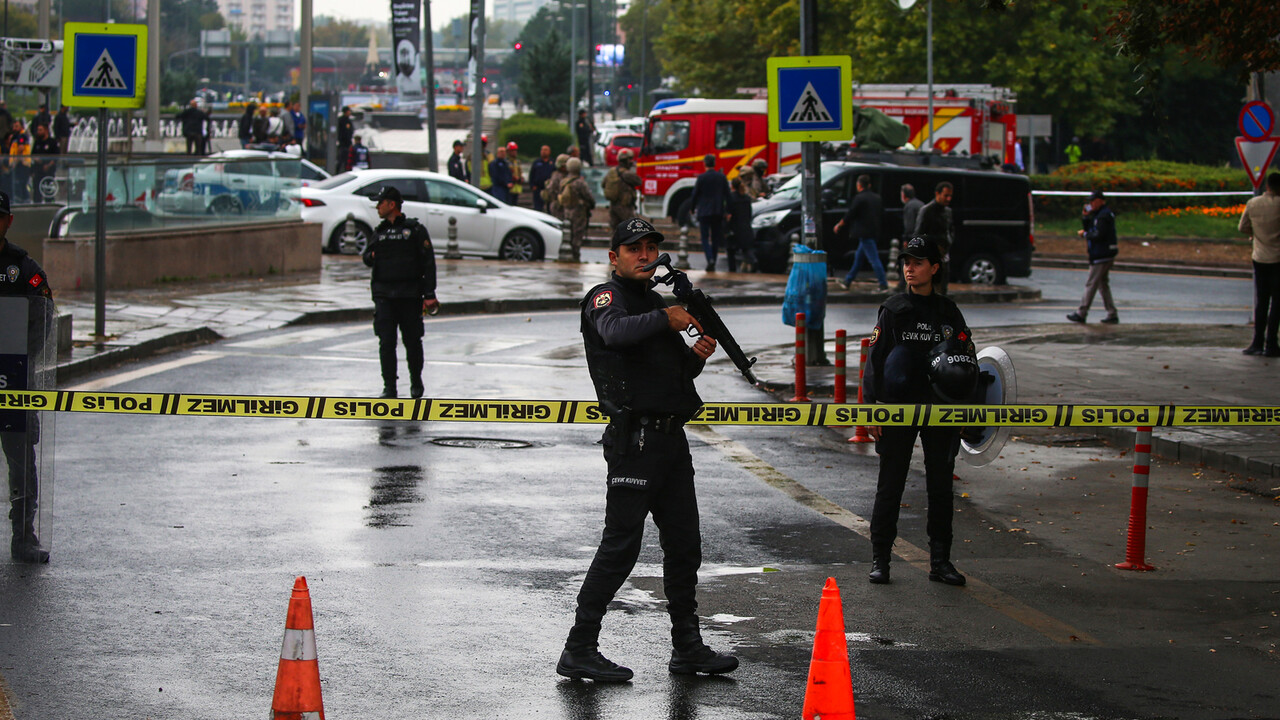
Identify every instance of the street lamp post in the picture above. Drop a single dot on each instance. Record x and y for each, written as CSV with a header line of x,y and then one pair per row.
x,y
928,123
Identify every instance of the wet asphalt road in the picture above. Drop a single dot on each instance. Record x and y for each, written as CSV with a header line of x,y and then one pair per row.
x,y
443,577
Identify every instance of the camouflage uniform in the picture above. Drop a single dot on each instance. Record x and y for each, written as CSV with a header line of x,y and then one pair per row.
x,y
578,209
624,208
748,176
761,187
552,196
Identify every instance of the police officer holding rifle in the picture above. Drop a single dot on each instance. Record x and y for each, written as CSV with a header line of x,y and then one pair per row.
x,y
643,372
921,352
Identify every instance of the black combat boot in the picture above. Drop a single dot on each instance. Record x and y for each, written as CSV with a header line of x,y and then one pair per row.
x,y
388,391
940,567
25,547
416,387
879,574
690,656
588,664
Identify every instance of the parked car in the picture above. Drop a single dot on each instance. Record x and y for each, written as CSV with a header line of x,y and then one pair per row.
x,y
992,213
236,182
632,141
486,226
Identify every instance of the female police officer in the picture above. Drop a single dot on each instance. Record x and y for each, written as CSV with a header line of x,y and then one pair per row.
x,y
643,373
910,327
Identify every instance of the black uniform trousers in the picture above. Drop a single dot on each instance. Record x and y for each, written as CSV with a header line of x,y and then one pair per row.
x,y
24,488
665,463
404,315
895,447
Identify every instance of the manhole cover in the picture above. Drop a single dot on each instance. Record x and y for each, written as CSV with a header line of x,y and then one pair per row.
x,y
482,443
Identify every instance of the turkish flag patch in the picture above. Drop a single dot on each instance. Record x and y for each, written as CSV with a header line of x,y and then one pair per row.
x,y
34,281
603,299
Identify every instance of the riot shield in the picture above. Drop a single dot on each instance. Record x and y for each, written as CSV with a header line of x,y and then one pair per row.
x,y
998,386
28,361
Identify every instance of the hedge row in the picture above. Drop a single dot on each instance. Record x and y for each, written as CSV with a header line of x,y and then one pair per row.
x,y
531,132
1140,176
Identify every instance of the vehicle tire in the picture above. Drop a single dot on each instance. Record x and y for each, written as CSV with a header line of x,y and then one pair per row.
x,y
354,245
521,245
225,205
982,269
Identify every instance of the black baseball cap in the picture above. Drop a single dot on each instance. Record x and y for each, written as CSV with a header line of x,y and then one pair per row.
x,y
634,230
923,248
4,204
456,143
1096,195
389,193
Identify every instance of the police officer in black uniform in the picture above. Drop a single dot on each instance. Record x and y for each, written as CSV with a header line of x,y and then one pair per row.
x,y
20,275
404,287
913,329
643,372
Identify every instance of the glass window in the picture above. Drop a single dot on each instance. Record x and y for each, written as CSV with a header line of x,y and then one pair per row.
x,y
309,172
731,134
446,193
408,188
668,136
335,181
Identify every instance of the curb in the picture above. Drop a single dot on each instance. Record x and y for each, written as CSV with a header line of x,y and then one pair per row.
x,y
1167,269
146,349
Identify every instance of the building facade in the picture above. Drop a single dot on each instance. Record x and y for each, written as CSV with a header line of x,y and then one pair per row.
x,y
258,17
515,10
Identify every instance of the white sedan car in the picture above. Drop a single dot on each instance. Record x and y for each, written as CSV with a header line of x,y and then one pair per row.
x,y
234,182
487,226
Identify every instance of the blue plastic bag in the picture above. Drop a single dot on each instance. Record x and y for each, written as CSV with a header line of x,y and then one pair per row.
x,y
806,287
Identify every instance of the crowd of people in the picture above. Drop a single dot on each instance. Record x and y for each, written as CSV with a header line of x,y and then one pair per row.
x,y
27,146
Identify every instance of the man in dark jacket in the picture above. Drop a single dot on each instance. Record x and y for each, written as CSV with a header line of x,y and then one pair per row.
x,y
1100,235
457,165
710,202
501,176
62,129
346,133
908,329
44,164
404,287
21,276
539,173
244,129
192,119
584,129
934,223
643,374
863,219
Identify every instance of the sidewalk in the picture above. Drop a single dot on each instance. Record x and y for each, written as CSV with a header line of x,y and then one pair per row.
x,y
1126,364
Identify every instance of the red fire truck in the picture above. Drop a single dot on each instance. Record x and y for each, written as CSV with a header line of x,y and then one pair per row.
x,y
969,120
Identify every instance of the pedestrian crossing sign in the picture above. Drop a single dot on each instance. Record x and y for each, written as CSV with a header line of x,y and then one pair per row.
x,y
810,98
105,65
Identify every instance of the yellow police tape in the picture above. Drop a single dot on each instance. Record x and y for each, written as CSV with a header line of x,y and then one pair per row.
x,y
582,411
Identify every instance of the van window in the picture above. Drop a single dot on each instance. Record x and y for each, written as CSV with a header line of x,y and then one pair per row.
x,y
668,136
731,134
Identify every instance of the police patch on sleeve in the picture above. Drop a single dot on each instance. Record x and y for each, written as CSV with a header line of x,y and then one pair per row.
x,y
875,335
603,299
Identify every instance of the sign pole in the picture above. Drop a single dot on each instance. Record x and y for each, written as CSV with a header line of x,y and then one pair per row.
x,y
810,186
100,235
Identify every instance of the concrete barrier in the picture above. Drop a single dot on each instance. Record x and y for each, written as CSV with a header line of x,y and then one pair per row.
x,y
141,259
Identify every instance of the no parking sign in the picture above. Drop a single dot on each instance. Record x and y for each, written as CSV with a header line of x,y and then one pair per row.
x,y
1256,146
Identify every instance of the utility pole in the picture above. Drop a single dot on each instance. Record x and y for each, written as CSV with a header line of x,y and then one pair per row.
x,y
591,91
477,97
428,51
810,187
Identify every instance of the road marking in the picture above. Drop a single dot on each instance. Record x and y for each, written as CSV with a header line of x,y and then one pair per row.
x,y
292,338
124,377
997,600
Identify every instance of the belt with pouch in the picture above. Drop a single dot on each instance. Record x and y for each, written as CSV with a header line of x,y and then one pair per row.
x,y
665,424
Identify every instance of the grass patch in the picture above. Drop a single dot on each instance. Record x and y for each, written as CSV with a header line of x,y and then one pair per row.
x,y
1186,225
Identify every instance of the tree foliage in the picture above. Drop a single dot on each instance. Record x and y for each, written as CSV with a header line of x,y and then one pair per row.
x,y
339,33
1241,36
544,75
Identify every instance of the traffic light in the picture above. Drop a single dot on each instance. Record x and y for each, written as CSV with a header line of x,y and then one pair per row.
x,y
518,46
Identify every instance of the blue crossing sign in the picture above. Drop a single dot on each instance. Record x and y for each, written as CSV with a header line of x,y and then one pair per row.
x,y
810,98
105,65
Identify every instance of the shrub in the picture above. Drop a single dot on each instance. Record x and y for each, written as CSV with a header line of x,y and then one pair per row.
x,y
531,132
1141,176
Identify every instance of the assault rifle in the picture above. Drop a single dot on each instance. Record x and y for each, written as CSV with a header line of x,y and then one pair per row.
x,y
699,306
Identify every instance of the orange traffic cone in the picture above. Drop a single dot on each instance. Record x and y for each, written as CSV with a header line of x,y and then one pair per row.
x,y
297,695
829,695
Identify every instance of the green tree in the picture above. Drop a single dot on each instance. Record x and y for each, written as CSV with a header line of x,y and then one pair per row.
x,y
711,47
544,75
339,33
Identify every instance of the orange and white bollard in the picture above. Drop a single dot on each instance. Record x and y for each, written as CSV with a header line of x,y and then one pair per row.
x,y
801,385
1135,548
860,434
297,695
